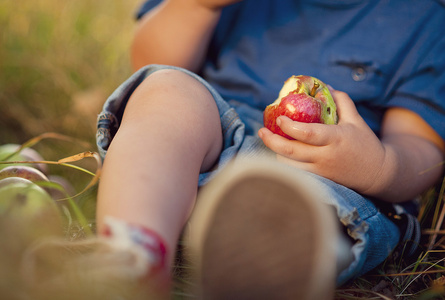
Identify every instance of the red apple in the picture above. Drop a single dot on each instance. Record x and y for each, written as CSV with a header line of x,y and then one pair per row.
x,y
26,172
303,99
22,199
62,189
26,154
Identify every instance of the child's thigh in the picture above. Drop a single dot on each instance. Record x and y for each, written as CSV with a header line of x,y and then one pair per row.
x,y
238,133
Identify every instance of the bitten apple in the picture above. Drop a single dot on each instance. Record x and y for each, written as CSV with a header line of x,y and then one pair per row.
x,y
304,99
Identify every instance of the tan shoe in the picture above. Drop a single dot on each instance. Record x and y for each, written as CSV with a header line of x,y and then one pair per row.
x,y
260,231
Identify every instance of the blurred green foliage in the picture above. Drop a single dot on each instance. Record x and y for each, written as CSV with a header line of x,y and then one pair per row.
x,y
59,60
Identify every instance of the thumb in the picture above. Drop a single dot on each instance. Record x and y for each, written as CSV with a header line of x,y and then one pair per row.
x,y
346,109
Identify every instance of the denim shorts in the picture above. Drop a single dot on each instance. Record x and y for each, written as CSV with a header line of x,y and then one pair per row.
x,y
375,236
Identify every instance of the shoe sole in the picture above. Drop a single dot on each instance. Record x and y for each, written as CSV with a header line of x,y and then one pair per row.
x,y
259,232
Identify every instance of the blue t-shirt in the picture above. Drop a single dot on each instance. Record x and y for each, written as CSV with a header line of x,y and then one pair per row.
x,y
383,53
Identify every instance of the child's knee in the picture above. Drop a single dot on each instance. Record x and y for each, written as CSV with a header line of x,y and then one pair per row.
x,y
174,84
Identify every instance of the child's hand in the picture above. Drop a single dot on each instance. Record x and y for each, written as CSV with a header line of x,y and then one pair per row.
x,y
348,153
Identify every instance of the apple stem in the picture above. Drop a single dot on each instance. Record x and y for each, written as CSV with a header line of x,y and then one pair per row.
x,y
314,88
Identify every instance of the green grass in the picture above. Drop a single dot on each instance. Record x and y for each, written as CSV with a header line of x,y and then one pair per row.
x,y
419,277
59,60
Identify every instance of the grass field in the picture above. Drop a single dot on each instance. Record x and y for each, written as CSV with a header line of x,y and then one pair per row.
x,y
59,60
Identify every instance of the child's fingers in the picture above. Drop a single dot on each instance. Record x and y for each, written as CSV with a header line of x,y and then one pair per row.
x,y
292,149
309,133
346,109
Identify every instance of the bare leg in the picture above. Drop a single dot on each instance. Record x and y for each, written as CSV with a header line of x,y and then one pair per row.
x,y
169,133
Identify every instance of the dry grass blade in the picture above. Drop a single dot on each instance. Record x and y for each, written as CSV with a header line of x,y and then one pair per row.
x,y
421,273
431,231
80,156
49,135
57,136
66,162
438,220
433,167
415,273
360,294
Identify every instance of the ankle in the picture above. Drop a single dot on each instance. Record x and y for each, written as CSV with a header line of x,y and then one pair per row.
x,y
148,247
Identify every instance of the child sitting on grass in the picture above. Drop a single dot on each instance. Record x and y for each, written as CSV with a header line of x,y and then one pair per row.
x,y
276,218
167,131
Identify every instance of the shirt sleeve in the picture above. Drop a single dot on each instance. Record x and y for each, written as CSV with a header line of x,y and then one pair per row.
x,y
145,7
419,84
